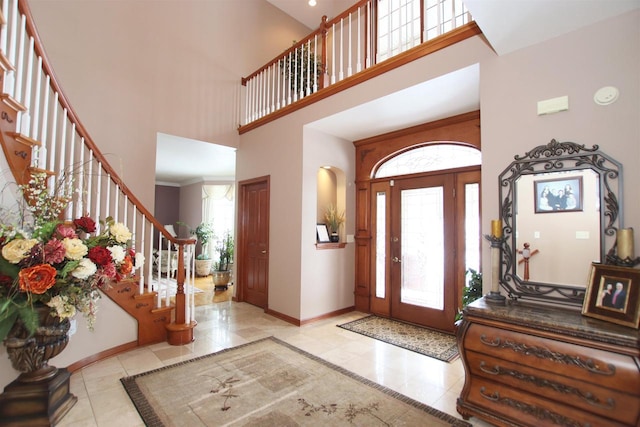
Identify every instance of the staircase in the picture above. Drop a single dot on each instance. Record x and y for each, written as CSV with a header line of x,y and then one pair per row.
x,y
40,132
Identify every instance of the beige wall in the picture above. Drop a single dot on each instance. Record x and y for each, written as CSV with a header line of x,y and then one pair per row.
x,y
132,69
576,65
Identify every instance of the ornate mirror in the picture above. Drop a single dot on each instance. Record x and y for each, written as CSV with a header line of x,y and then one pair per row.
x,y
560,209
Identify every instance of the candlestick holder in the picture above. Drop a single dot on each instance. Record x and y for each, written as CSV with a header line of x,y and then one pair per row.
x,y
614,259
494,296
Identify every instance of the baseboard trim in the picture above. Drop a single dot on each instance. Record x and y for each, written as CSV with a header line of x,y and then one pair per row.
x,y
76,366
298,322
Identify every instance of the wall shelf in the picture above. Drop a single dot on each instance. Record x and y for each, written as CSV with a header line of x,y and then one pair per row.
x,y
331,245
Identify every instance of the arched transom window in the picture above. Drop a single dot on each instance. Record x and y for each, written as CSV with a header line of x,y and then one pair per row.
x,y
430,158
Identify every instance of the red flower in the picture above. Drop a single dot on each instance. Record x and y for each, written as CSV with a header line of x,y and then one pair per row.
x,y
37,279
5,280
54,251
100,255
85,224
108,271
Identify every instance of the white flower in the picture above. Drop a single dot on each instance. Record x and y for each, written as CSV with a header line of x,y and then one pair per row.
x,y
120,232
139,260
75,249
62,306
16,250
117,253
85,269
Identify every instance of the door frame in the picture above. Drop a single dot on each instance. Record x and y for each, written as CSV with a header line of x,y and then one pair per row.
x,y
242,227
370,153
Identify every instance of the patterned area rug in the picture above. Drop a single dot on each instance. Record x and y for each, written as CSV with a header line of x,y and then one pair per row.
x,y
271,383
421,340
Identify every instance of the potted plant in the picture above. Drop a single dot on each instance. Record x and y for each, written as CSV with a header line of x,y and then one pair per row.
x,y
472,291
334,220
298,68
222,272
204,233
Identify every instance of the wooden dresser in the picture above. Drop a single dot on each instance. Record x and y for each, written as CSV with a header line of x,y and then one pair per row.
x,y
533,365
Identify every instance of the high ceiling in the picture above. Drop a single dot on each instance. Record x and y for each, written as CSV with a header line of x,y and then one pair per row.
x,y
508,26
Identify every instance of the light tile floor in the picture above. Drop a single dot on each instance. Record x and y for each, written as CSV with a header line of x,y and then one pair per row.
x,y
102,401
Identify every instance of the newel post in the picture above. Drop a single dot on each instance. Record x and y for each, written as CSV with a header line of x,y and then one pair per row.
x,y
180,332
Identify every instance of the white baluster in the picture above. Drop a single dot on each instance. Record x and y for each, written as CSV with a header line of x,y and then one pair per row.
x,y
54,129
141,250
315,63
369,37
333,53
81,191
17,93
90,183
349,67
341,50
289,85
358,44
25,122
36,109
9,81
98,213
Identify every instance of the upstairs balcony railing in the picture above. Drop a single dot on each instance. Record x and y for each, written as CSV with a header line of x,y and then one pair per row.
x,y
369,33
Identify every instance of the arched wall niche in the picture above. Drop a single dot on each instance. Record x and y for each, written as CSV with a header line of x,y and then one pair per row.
x,y
331,192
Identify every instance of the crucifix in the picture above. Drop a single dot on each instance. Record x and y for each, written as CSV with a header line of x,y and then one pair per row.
x,y
526,254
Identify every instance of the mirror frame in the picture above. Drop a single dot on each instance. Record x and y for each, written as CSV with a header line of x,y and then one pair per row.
x,y
554,157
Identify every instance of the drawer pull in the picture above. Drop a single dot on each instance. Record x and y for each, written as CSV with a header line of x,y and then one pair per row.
x,y
541,382
543,353
539,413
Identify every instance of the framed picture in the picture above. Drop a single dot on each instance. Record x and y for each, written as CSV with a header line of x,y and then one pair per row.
x,y
613,295
558,195
322,233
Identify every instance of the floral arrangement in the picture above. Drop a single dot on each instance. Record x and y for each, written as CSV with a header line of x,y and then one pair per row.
x,y
62,264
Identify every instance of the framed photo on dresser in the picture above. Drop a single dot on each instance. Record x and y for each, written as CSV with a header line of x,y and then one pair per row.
x,y
613,294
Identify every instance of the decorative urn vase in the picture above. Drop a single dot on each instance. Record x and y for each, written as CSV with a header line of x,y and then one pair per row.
x,y
41,393
30,355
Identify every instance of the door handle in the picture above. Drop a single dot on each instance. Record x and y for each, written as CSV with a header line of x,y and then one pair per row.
x,y
263,252
396,259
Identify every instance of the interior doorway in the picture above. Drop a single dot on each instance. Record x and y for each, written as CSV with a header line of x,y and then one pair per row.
x,y
253,242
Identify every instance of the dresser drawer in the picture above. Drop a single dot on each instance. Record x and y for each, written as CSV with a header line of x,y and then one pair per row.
x,y
524,409
586,396
598,367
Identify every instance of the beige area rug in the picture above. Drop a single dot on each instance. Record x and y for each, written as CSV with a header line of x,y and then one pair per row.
x,y
411,337
271,383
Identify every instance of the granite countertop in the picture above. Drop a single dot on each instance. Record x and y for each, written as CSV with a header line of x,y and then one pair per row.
x,y
556,319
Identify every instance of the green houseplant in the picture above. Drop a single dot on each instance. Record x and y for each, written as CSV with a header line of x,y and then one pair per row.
x,y
222,273
472,291
204,233
298,69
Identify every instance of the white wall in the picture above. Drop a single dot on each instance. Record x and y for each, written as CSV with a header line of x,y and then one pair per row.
x,y
327,275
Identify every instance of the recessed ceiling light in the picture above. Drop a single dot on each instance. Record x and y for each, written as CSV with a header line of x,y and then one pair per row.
x,y
312,2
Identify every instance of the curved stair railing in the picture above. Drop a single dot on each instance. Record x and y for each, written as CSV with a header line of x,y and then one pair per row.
x,y
40,132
